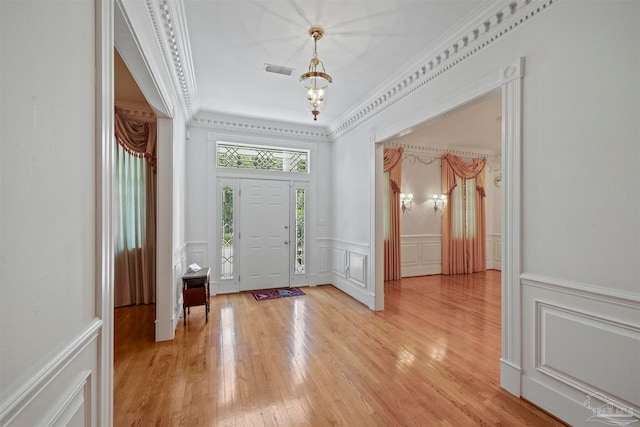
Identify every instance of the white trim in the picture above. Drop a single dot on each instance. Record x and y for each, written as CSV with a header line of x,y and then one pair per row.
x,y
16,402
75,398
510,82
348,243
612,296
436,152
512,75
227,125
491,24
104,21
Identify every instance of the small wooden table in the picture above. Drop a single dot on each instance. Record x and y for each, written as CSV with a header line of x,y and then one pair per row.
x,y
195,291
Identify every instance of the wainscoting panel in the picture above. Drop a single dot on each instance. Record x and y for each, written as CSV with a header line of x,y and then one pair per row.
x,y
64,392
560,328
358,268
494,251
340,262
421,254
349,268
581,349
324,259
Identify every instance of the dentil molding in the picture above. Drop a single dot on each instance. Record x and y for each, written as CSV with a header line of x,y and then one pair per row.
x,y
258,128
475,36
170,26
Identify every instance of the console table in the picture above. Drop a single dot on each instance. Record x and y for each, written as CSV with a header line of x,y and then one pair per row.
x,y
195,291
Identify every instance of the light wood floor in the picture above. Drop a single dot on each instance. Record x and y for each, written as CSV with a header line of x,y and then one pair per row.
x,y
431,358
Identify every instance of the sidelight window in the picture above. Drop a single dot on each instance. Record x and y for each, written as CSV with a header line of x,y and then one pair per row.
x,y
226,266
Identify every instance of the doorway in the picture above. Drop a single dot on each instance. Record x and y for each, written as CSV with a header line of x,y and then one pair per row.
x,y
510,83
260,234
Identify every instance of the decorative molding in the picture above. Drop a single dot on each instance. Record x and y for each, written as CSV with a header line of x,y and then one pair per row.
x,y
421,254
323,266
339,264
414,159
511,244
358,269
347,243
16,402
611,296
552,359
412,152
104,179
133,111
495,24
258,128
170,28
77,399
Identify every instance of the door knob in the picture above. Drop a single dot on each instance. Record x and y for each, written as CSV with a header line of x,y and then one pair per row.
x,y
286,242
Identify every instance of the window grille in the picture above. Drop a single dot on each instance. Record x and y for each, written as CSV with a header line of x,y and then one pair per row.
x,y
262,158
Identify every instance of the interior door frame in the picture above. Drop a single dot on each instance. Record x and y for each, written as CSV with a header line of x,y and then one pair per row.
x,y
233,285
510,81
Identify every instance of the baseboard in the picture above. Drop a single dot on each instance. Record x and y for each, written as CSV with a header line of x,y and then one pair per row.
x,y
510,377
355,292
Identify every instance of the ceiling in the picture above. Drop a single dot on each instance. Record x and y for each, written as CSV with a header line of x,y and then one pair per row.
x,y
365,45
475,126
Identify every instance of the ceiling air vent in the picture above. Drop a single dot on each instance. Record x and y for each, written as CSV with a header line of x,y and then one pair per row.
x,y
278,69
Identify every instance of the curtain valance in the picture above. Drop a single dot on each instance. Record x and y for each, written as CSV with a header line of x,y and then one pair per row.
x,y
138,138
455,166
393,165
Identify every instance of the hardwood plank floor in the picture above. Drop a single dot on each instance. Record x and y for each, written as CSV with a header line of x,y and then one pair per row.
x,y
431,358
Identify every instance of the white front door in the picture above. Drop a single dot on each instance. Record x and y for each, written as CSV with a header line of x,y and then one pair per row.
x,y
264,234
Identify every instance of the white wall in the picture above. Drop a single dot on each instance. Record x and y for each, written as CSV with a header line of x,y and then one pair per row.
x,y
48,318
581,274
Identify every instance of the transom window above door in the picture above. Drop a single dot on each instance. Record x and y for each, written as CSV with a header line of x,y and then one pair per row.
x,y
239,156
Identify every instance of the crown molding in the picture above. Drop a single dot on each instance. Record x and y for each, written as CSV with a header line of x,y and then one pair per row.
x,y
496,22
226,124
135,111
436,152
170,26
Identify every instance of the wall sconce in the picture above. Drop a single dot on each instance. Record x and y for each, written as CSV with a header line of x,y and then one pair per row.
x,y
439,202
406,201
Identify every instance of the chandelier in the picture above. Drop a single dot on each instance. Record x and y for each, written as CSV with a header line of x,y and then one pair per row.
x,y
315,81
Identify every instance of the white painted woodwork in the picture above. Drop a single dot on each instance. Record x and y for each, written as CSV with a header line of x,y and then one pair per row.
x,y
570,329
264,234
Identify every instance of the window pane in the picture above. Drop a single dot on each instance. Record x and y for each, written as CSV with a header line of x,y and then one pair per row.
x,y
300,231
262,158
226,270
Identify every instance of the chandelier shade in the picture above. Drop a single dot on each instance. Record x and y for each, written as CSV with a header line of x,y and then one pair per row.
x,y
316,79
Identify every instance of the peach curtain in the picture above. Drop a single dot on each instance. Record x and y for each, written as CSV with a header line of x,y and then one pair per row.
x,y
134,213
393,167
463,238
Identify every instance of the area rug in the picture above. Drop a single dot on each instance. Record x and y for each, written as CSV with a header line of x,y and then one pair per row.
x,y
266,294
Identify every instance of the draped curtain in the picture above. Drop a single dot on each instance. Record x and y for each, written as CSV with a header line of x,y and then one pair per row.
x,y
393,175
463,220
134,213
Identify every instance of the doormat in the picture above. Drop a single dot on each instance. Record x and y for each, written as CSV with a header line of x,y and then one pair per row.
x,y
266,294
